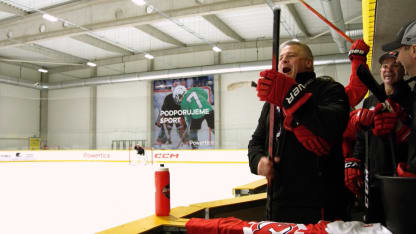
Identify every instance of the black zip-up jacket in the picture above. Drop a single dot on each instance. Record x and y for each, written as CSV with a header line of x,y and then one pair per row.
x,y
411,160
304,181
379,152
379,160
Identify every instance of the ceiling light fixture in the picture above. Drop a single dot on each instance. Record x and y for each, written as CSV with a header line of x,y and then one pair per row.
x,y
139,2
50,17
216,49
42,70
149,56
91,64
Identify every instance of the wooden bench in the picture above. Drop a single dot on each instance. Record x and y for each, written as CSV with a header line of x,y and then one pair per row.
x,y
250,207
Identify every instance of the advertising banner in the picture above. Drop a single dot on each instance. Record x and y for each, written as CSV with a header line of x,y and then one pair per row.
x,y
183,113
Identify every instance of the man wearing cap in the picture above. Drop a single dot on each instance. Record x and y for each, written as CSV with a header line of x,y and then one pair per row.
x,y
405,45
375,140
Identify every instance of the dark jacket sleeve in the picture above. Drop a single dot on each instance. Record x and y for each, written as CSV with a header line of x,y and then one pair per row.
x,y
412,138
256,146
360,145
327,113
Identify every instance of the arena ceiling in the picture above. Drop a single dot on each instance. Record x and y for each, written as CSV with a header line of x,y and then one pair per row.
x,y
108,32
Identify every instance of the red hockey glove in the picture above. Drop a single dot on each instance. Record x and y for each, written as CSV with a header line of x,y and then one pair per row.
x,y
358,51
362,118
353,176
402,170
384,123
273,86
310,141
402,131
355,89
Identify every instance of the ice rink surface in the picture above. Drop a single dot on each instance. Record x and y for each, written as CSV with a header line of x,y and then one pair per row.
x,y
88,197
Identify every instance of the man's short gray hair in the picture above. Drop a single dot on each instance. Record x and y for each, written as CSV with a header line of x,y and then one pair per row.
x,y
304,47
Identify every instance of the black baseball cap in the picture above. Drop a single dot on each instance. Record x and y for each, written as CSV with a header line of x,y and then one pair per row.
x,y
405,36
391,54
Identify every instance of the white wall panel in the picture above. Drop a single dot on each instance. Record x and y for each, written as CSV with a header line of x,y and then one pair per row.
x,y
19,116
68,118
240,110
253,54
122,112
184,60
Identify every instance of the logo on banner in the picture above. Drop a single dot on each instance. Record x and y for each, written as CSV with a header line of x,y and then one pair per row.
x,y
96,156
167,155
5,157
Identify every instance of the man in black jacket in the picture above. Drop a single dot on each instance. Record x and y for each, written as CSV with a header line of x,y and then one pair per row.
x,y
405,44
306,172
385,126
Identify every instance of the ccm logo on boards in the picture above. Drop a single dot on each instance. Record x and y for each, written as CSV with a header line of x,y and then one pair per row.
x,y
166,155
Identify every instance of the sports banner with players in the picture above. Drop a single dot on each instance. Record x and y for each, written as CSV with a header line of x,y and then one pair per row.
x,y
183,113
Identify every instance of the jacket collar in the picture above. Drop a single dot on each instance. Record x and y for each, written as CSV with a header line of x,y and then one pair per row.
x,y
304,77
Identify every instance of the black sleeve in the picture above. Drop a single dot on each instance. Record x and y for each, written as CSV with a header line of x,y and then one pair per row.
x,y
412,137
359,146
256,146
326,114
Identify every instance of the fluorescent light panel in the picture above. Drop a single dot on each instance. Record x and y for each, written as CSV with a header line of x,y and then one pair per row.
x,y
50,17
42,70
149,56
91,64
216,49
139,2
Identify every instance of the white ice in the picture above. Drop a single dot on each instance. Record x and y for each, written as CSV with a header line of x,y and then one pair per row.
x,y
90,197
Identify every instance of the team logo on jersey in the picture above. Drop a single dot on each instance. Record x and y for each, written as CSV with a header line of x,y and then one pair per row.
x,y
268,227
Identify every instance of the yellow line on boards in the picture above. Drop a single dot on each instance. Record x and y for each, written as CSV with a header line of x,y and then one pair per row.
x,y
201,162
124,161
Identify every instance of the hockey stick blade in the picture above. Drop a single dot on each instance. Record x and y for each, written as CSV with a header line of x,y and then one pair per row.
x,y
367,78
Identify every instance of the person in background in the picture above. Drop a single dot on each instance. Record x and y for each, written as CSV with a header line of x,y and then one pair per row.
x,y
375,127
306,170
405,45
166,120
355,90
195,102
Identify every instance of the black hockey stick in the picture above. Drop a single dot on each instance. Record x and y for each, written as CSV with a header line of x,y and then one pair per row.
x,y
367,78
275,55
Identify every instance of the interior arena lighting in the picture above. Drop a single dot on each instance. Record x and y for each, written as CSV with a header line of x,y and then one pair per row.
x,y
50,17
91,64
149,56
139,2
42,70
216,49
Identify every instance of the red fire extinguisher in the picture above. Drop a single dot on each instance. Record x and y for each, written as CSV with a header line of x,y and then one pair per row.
x,y
162,198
